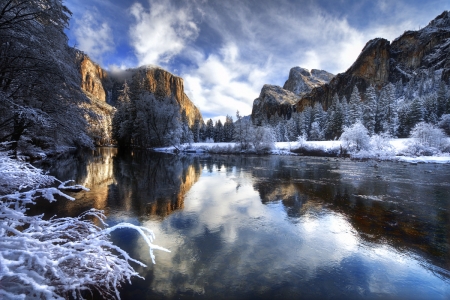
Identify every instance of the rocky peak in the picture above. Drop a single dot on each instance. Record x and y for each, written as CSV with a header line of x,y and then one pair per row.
x,y
441,21
302,81
272,100
373,63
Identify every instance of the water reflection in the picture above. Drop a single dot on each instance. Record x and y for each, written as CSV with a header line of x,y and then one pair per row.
x,y
276,227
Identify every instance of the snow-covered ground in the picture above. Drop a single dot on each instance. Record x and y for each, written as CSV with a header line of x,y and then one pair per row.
x,y
396,152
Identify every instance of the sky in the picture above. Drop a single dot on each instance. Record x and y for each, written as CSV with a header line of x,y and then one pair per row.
x,y
227,50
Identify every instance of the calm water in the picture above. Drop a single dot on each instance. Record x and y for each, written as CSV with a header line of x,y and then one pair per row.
x,y
266,227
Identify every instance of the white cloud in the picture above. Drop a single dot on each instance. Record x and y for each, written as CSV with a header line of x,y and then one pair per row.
x,y
223,83
93,36
161,32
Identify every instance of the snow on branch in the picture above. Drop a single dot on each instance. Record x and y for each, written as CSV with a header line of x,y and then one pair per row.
x,y
59,257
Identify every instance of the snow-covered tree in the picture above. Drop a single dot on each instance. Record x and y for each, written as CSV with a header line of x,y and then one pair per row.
x,y
316,133
444,123
443,103
335,118
355,106
428,135
387,110
262,138
355,137
370,110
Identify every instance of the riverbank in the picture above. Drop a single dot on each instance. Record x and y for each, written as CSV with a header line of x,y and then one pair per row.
x,y
393,150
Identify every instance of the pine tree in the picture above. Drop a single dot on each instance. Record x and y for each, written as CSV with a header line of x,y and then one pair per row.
x,y
196,131
355,107
442,100
370,110
228,128
218,132
345,112
209,131
291,130
387,112
430,109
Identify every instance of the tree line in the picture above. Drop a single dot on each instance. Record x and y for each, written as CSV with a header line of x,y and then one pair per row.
x,y
395,109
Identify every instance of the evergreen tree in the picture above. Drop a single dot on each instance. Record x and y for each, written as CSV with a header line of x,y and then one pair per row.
x,y
430,108
370,110
345,112
335,119
387,111
442,100
209,131
291,130
187,136
123,120
218,132
228,128
355,107
196,131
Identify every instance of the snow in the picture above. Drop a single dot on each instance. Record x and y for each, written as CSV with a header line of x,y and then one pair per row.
x,y
396,152
54,258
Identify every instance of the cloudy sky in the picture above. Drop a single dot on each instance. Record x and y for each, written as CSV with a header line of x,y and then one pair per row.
x,y
227,50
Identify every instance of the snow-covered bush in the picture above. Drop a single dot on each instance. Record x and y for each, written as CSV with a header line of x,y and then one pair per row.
x,y
355,137
301,140
381,143
60,257
427,140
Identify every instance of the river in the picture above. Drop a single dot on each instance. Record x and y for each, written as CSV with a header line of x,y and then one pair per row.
x,y
271,227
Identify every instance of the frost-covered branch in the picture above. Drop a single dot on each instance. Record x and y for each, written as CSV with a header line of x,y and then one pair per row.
x,y
59,257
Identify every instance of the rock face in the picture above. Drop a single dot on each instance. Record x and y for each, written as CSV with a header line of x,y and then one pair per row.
x,y
302,81
381,62
100,85
272,100
93,77
164,84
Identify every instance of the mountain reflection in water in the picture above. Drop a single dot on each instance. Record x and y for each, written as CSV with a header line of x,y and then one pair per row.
x,y
272,226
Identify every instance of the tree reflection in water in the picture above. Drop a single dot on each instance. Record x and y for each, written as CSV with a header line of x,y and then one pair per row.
x,y
274,226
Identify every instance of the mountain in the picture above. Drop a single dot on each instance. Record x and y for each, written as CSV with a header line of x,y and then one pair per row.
x,y
272,100
405,60
105,86
276,100
301,81
381,62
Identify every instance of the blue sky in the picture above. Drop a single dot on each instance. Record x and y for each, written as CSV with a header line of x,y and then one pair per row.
x,y
227,50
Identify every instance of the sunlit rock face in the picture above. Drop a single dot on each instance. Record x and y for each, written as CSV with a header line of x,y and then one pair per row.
x,y
166,85
302,81
104,86
381,62
272,100
92,77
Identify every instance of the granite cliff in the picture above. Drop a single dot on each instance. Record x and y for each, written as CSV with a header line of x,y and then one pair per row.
x,y
379,63
103,86
272,100
301,81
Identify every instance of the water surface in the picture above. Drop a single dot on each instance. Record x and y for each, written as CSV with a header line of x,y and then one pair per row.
x,y
265,227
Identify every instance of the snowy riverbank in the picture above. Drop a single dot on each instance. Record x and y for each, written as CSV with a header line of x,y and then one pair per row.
x,y
397,149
